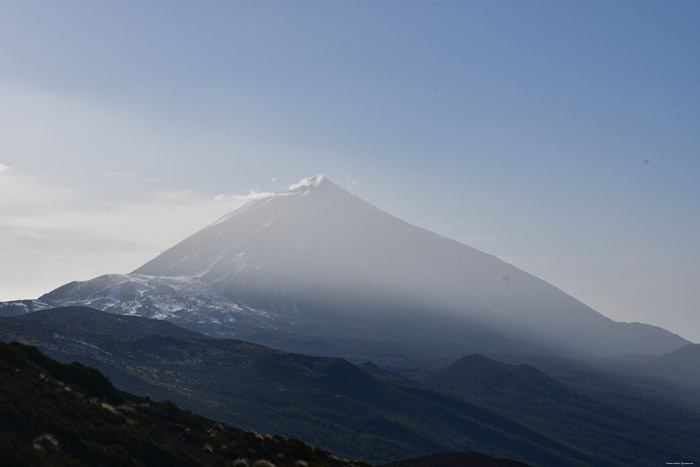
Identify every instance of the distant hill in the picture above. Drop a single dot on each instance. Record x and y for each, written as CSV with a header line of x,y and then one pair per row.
x,y
68,414
20,307
479,376
609,424
680,365
671,380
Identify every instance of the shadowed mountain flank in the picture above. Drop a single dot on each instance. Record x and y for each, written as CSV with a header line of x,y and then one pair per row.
x,y
327,402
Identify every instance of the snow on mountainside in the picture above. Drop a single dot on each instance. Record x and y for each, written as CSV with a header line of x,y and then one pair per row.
x,y
178,299
318,260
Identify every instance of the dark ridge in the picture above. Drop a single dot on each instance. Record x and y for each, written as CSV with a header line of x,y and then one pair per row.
x,y
20,307
682,364
483,377
90,319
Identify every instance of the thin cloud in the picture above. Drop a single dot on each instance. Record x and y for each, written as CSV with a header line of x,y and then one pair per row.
x,y
239,200
23,195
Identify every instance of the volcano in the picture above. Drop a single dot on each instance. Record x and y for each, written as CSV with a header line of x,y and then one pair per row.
x,y
316,262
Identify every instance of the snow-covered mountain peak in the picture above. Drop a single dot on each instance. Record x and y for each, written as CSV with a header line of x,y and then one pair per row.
x,y
310,182
320,186
316,184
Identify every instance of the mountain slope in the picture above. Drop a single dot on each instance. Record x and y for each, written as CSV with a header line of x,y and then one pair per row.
x,y
318,261
325,401
602,423
318,248
61,414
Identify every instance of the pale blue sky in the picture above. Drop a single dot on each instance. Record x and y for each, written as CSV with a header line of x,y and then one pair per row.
x,y
563,137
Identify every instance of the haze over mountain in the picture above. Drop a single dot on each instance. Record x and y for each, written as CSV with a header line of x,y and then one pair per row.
x,y
318,261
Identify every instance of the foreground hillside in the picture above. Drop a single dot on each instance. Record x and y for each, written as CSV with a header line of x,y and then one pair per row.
x,y
68,414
